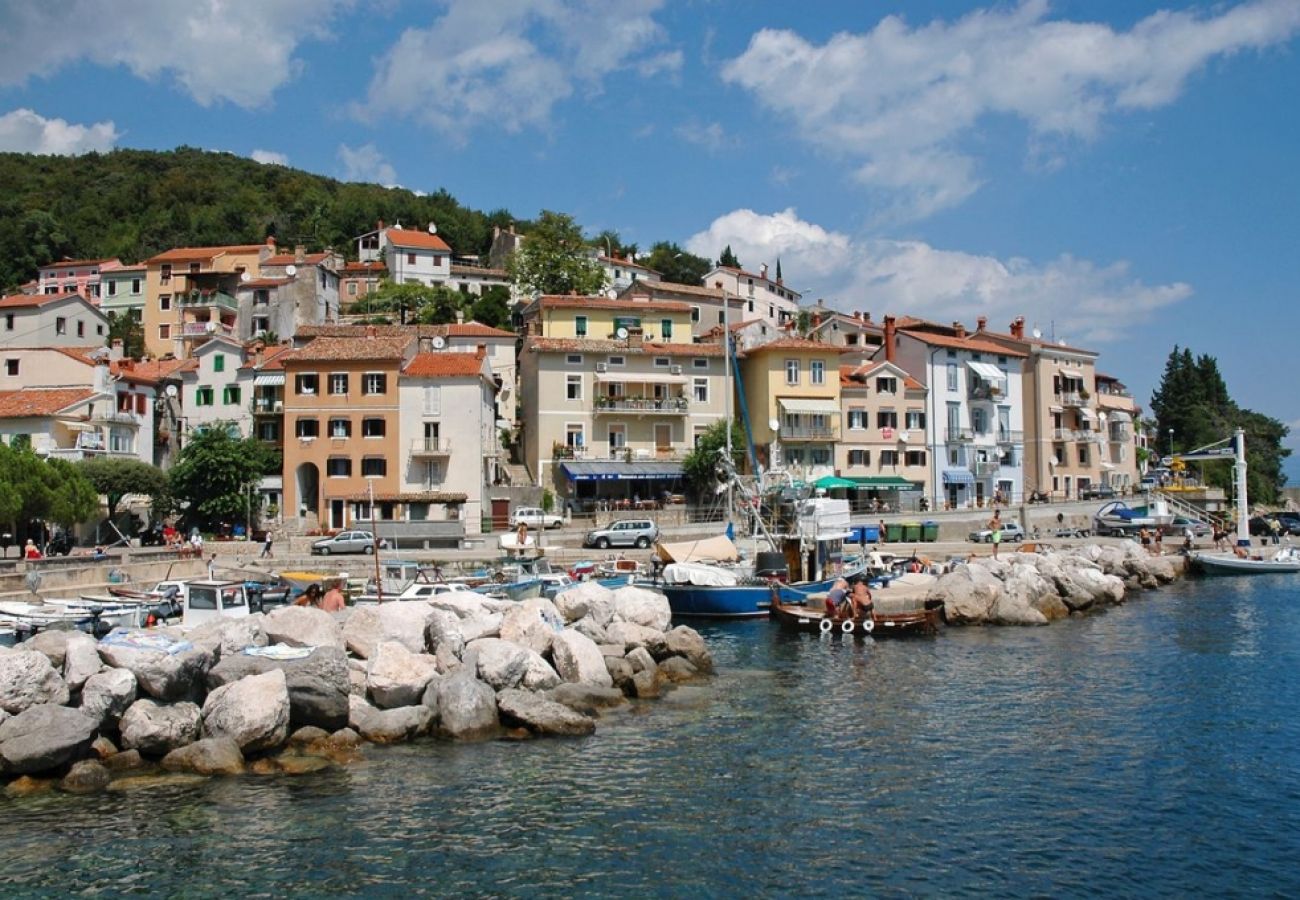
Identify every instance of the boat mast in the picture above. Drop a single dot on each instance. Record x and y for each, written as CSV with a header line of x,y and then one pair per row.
x,y
1243,508
374,533
726,357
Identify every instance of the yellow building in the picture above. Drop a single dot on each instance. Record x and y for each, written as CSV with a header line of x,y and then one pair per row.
x,y
794,385
190,294
599,318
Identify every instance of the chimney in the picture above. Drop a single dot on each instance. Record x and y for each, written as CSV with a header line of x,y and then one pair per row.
x,y
380,226
115,349
890,332
866,317
258,347
959,329
1018,328
299,254
857,314
270,241
480,351
981,322
460,317
762,271
635,338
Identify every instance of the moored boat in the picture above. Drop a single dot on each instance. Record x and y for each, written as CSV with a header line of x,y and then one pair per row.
x,y
811,618
1283,561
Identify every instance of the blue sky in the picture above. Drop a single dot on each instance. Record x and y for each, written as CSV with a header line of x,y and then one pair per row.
x,y
1120,173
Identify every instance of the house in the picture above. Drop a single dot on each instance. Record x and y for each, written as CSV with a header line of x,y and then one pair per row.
x,y
76,276
622,273
600,318
612,419
746,335
290,290
416,256
975,409
1117,419
853,332
217,389
190,294
358,280
709,306
765,297
792,397
51,320
882,445
266,365
121,292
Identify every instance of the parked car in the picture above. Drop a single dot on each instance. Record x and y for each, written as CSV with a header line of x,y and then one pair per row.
x,y
1261,526
1290,522
1097,492
1180,524
1011,533
347,542
535,517
624,533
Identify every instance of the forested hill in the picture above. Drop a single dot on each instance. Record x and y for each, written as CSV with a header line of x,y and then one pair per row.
x,y
135,203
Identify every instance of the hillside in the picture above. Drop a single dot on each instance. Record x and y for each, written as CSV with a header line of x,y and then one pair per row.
x,y
134,203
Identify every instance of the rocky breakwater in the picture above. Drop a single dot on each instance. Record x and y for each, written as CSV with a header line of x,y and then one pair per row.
x,y
299,689
1038,588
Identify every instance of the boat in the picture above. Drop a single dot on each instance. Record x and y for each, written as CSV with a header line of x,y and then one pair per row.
x,y
36,616
1117,517
812,618
1283,561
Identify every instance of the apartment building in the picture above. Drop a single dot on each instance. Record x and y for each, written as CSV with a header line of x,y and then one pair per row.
x,y
792,396
415,256
622,273
121,292
76,276
1117,420
190,295
601,318
764,297
710,307
360,279
217,388
852,332
290,290
51,320
883,447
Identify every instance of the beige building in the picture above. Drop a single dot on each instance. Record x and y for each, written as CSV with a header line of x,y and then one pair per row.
x,y
708,305
794,385
1117,420
51,320
190,294
883,442
603,319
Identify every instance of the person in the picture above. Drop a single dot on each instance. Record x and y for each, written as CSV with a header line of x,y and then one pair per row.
x,y
309,597
266,547
882,532
212,568
995,531
836,596
1275,527
1188,546
863,605
31,551
1145,537
99,552
196,543
521,537
333,600
1160,540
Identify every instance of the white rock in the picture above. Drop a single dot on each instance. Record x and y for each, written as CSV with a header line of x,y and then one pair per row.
x,y
302,626
253,712
579,660
539,676
443,634
397,677
589,598
642,606
158,728
485,625
81,660
108,694
532,624
27,678
632,635
501,664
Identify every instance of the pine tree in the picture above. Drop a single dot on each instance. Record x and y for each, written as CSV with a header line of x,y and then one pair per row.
x,y
728,259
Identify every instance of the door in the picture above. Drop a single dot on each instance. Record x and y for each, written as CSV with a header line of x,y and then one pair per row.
x,y
663,438
336,514
431,430
617,438
500,514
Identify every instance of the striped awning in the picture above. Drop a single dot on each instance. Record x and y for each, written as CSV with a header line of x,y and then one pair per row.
x,y
1119,415
809,405
268,379
987,371
958,476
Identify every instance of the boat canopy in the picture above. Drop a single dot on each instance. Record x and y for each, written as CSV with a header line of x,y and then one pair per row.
x,y
700,576
714,549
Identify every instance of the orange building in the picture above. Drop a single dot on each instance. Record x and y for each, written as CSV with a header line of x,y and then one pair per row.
x,y
190,294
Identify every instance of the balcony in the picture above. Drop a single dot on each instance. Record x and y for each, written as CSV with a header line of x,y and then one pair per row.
x,y
987,390
208,299
266,406
116,417
647,406
1010,437
985,469
430,447
1072,398
74,454
194,330
808,432
959,435
1120,436
618,454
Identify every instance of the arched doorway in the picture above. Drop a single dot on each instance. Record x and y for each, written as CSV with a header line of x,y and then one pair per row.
x,y
307,483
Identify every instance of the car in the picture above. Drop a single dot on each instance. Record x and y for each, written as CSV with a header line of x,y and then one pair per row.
x,y
1097,492
535,517
1261,526
624,533
347,542
1180,525
1011,533
1290,522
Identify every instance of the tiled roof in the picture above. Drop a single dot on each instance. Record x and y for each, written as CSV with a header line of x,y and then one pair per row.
x,y
264,282
866,370
627,263
125,270
40,401
416,240
672,287
564,301
366,268
478,270
273,358
198,254
793,343
28,301
444,365
289,259
70,263
943,336
619,348
337,349
151,371
455,329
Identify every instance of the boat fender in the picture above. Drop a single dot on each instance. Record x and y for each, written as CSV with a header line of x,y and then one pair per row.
x,y
826,626
847,626
869,625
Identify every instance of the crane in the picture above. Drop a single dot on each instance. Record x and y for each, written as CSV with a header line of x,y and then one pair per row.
x,y
1230,448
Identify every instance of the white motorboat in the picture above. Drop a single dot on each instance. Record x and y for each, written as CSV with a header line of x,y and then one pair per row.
x,y
52,614
1285,560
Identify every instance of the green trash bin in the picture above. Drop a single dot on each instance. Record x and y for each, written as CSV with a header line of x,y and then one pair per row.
x,y
893,532
930,531
911,532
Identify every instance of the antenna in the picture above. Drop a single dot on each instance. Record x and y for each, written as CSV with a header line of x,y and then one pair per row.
x,y
438,342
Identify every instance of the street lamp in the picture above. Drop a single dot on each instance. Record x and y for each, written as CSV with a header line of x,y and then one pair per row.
x,y
1171,443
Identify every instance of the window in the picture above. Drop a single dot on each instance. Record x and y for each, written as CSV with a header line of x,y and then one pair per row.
x,y
9,321
164,332
219,362
886,384
306,383
665,329
1083,454
573,436
859,457
307,428
888,458
165,273
851,340
112,289
374,383
952,376
60,325
340,428
915,419
417,512
700,363
373,428
194,268
662,362
695,314
432,400
374,467
792,371
410,259
352,288
268,431
978,421
338,382
164,301
135,285
857,418
722,318
230,396
99,330
261,297
81,328
261,325
914,458
573,387
817,371
11,367
618,361
203,396
700,389
573,359
580,326
886,418
338,467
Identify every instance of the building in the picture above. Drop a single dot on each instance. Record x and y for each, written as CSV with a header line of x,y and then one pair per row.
x,y
121,292
852,332
882,445
771,299
415,256
1117,419
267,367
358,280
290,290
600,318
217,389
621,274
792,397
708,305
475,279
51,320
612,419
975,411
76,276
190,294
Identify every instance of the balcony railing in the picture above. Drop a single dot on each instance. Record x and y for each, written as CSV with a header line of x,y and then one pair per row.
x,y
808,432
618,454
205,329
985,469
668,406
430,447
987,390
266,406
1072,398
208,298
1121,436
76,453
1010,437
959,435
117,417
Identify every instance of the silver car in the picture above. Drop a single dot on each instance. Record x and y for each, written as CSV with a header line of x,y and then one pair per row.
x,y
626,533
347,542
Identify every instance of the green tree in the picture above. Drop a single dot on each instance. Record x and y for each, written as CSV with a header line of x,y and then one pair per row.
x,y
32,488
116,477
73,499
216,473
493,308
676,265
728,258
127,329
554,260
700,466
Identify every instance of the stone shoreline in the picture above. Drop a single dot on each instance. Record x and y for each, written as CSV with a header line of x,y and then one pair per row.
x,y
86,716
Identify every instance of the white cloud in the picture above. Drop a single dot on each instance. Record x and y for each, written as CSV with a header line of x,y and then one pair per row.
x,y
235,50
269,158
507,64
24,131
1088,303
711,137
894,102
366,163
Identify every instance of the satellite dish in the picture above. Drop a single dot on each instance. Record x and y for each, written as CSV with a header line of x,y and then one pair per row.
x,y
291,270
774,425
1038,333
611,294
622,334
433,229
245,275
902,437
438,342
211,327
171,391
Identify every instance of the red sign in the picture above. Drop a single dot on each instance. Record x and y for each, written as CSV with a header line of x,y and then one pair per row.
x,y
887,433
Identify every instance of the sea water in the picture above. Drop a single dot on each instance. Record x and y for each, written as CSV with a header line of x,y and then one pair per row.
x,y
1153,749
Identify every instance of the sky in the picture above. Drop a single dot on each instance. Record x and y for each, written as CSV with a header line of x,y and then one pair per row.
x,y
1121,173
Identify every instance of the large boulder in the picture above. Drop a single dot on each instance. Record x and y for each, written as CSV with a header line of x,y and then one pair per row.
x,y
968,594
467,708
588,699
404,622
499,663
318,684
44,737
28,678
642,606
228,635
209,756
442,635
687,642
579,660
156,728
468,604
80,660
106,695
486,625
532,624
52,642
539,676
1027,598
678,668
587,599
396,676
1165,568
542,715
302,626
253,712
588,626
162,675
88,776
630,635
388,726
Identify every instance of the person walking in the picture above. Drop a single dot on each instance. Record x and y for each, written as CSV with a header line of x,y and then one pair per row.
x,y
266,546
995,531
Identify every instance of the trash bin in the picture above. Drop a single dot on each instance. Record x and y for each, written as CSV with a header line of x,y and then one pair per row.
x,y
911,531
894,532
930,531
870,533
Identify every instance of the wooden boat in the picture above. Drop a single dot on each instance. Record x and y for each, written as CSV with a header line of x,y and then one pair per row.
x,y
877,624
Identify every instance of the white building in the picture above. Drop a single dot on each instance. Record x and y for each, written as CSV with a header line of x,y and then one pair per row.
x,y
765,297
415,256
218,387
51,320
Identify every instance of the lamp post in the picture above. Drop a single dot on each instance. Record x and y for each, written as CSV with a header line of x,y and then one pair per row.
x,y
1171,443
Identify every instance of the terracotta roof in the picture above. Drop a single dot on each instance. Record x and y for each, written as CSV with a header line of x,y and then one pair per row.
x,y
198,254
619,348
80,354
273,358
716,330
748,274
478,270
444,365
793,343
27,301
564,301
944,336
123,270
365,268
329,349
41,401
289,259
866,370
629,263
455,329
409,497
673,287
69,263
416,240
264,282
150,372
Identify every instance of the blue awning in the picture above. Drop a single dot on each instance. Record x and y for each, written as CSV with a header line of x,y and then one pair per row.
x,y
958,476
613,470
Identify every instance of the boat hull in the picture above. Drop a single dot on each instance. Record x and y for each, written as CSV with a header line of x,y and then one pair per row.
x,y
877,625
742,601
1213,564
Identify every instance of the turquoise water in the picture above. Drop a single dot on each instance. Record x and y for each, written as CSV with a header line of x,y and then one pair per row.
x,y
1151,750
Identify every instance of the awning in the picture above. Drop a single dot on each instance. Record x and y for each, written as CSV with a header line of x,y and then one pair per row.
x,y
1056,409
987,371
1118,415
269,379
1072,373
612,470
958,476
806,405
828,482
1086,415
881,481
714,549
646,378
